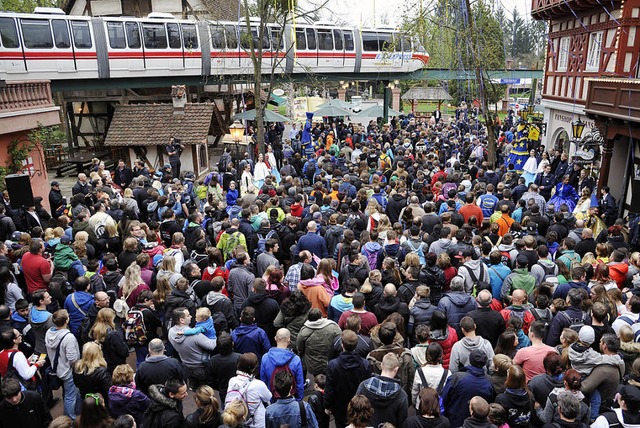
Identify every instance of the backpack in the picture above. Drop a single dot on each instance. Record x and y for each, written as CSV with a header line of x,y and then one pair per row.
x,y
240,394
549,273
372,258
419,251
85,330
478,283
261,241
272,383
231,244
574,324
573,261
135,332
59,285
438,389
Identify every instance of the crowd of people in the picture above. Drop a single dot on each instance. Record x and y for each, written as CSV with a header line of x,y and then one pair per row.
x,y
384,276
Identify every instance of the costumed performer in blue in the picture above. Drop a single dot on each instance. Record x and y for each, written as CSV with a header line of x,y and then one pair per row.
x,y
530,168
520,151
565,194
306,140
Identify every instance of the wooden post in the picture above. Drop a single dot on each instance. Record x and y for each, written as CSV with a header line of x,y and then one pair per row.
x,y
607,152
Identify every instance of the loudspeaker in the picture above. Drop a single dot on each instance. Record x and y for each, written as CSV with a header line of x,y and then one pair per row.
x,y
635,196
19,188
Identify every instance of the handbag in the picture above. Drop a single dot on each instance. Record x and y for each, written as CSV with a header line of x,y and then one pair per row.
x,y
50,373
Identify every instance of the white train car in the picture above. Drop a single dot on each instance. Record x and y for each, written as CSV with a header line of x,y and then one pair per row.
x,y
51,45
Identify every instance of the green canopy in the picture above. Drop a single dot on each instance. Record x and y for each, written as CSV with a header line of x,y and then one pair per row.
x,y
331,111
377,111
269,116
336,102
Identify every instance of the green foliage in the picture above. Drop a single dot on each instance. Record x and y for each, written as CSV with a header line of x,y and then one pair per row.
x,y
47,136
18,151
27,6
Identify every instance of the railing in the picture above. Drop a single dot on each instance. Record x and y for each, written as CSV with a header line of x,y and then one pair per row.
x,y
25,95
550,9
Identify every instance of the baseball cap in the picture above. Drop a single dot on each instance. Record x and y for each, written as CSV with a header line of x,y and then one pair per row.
x,y
65,240
631,396
15,236
54,183
478,358
464,253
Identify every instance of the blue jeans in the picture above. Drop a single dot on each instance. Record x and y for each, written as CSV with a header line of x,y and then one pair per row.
x,y
70,396
141,354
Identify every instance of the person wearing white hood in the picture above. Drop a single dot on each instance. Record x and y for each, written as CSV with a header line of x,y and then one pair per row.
x,y
462,349
442,245
63,352
473,271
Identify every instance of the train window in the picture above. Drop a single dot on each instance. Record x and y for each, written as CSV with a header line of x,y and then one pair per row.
x,y
325,40
190,36
174,36
115,31
9,33
337,37
230,32
266,43
81,34
348,40
133,35
406,44
155,36
301,40
369,41
385,42
61,34
217,37
36,33
276,34
311,39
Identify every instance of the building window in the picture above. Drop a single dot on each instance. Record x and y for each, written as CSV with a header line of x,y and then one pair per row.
x,y
595,48
563,54
202,156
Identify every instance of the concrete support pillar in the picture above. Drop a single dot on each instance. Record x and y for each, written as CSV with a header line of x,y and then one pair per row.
x,y
342,94
395,99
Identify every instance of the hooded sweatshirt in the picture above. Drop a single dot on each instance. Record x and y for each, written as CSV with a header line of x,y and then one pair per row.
x,y
371,250
40,321
388,399
583,358
278,357
69,350
193,350
64,256
520,407
462,349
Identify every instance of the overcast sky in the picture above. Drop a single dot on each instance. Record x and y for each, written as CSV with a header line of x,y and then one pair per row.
x,y
363,11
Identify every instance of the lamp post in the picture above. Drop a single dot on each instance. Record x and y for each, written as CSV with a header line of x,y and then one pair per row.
x,y
237,131
577,127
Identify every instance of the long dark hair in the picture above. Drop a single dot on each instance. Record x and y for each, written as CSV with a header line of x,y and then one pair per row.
x,y
94,413
296,304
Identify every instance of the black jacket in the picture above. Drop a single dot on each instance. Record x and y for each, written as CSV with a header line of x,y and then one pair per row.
x,y
164,412
489,324
156,370
99,381
520,405
395,205
30,412
176,300
223,368
419,421
115,349
266,311
218,303
122,177
388,305
344,375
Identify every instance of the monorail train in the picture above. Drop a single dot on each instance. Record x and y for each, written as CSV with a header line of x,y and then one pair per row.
x,y
51,45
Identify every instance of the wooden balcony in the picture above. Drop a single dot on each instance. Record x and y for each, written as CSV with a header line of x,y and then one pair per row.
x,y
613,98
545,10
25,105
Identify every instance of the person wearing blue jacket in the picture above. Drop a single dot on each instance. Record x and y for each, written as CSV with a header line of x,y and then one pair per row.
x,y
462,386
313,242
281,356
78,304
456,303
498,272
248,337
343,302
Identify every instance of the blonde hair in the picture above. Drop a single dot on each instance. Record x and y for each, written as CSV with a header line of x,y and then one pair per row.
x,y
205,397
81,236
122,375
58,232
92,359
132,279
48,234
111,229
411,259
234,413
502,363
168,263
163,289
626,333
374,275
61,422
128,193
104,322
203,314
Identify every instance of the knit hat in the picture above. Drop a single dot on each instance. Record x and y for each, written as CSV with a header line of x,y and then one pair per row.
x,y
587,334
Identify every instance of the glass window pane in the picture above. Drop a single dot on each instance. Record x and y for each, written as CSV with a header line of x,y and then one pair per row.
x,y
155,36
385,42
61,34
174,36
325,40
37,34
311,39
133,35
266,44
231,34
369,41
348,41
337,37
190,36
275,35
217,37
244,39
406,44
115,32
9,33
397,43
301,40
81,34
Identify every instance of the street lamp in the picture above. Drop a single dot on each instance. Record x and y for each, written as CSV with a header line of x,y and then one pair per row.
x,y
577,127
237,131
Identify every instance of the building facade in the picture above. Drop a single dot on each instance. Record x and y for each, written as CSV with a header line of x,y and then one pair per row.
x,y
591,73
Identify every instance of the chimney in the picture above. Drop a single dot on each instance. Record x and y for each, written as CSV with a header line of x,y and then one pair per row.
x,y
179,97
